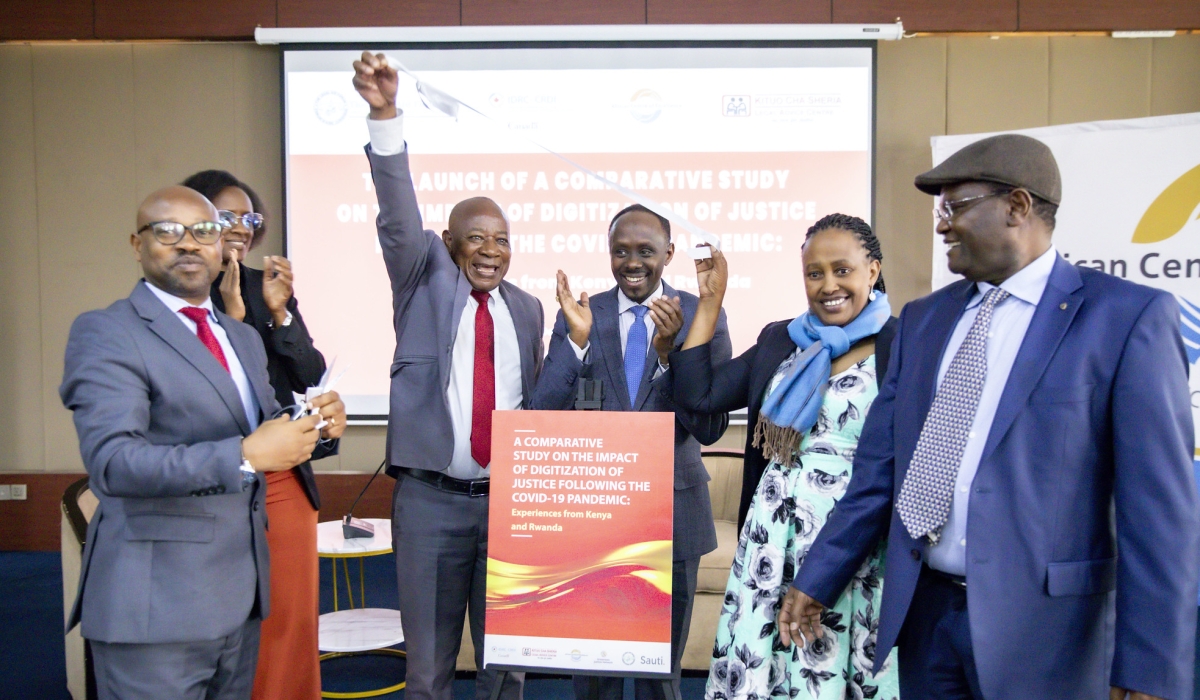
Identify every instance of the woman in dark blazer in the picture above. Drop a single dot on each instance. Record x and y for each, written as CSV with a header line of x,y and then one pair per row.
x,y
288,668
808,383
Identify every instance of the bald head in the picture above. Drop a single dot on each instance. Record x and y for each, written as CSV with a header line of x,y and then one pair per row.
x,y
172,201
185,268
477,238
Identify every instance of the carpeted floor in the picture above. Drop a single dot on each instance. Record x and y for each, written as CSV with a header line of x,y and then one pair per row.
x,y
31,638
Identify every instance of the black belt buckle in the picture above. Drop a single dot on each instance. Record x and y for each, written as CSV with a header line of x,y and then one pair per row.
x,y
478,488
960,581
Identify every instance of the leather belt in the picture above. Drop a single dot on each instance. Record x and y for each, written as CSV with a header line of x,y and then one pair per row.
x,y
959,581
474,488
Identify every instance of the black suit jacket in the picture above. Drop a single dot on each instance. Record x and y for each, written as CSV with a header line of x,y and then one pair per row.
x,y
741,382
293,364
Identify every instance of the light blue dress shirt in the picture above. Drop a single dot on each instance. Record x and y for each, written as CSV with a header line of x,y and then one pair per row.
x,y
1010,321
245,391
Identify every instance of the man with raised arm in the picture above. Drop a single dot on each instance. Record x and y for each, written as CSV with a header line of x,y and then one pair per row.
x,y
467,343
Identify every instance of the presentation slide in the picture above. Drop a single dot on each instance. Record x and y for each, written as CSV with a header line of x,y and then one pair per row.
x,y
752,144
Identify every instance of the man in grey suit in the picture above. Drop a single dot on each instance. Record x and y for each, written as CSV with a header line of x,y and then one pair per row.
x,y
169,399
467,343
622,337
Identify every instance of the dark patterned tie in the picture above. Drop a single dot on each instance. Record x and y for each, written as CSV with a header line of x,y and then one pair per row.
x,y
204,332
928,489
483,394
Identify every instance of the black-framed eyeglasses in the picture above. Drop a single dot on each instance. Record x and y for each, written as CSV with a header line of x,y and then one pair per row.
x,y
171,232
250,220
948,209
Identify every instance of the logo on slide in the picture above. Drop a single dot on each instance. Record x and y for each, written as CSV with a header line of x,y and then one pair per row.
x,y
1189,328
627,657
736,105
1176,209
330,107
645,105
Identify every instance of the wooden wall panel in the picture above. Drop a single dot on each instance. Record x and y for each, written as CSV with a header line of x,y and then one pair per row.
x,y
1175,75
997,84
1094,78
1107,15
182,19
911,108
497,12
368,13
83,105
931,15
45,19
20,284
258,161
34,525
747,12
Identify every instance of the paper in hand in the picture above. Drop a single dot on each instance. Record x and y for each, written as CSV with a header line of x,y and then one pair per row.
x,y
324,386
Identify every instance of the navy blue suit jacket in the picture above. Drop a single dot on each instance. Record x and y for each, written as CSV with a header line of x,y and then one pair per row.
x,y
1084,519
694,531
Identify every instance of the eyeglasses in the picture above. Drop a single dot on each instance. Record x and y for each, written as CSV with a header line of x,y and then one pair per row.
x,y
171,232
250,220
947,209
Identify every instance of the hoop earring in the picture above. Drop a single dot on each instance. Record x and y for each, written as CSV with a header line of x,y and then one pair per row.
x,y
871,296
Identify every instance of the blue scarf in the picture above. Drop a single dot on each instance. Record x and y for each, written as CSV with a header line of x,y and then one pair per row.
x,y
792,408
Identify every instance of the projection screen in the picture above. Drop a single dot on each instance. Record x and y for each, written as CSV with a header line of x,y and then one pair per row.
x,y
752,142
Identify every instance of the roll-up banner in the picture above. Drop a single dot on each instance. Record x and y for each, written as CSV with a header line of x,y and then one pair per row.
x,y
579,542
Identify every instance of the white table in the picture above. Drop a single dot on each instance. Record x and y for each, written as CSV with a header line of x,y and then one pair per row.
x,y
360,630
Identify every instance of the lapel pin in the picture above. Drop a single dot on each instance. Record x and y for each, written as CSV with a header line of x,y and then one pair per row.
x,y
1063,306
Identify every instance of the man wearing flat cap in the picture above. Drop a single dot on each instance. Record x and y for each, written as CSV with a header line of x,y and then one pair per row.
x,y
1034,424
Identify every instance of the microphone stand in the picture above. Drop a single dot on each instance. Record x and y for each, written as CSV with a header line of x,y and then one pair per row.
x,y
353,527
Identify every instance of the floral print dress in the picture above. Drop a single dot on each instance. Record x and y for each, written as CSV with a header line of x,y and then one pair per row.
x,y
788,510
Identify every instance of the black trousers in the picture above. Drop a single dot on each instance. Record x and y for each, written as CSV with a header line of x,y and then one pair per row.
x,y
683,592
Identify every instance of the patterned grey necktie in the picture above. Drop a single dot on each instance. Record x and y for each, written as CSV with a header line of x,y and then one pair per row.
x,y
928,489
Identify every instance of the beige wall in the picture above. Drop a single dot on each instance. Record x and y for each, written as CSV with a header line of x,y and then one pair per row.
x,y
87,130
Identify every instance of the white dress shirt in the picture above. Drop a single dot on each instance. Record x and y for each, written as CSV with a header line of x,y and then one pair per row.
x,y
387,139
461,392
1010,321
625,319
245,391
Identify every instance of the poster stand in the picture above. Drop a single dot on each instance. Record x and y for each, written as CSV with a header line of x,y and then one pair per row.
x,y
590,397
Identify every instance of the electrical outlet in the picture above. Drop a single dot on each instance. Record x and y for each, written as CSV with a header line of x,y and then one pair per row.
x,y
18,492
5,492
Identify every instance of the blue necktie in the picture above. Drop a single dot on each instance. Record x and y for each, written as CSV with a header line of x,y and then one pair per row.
x,y
635,352
928,488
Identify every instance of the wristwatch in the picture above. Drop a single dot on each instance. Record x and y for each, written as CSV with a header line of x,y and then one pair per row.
x,y
287,321
249,476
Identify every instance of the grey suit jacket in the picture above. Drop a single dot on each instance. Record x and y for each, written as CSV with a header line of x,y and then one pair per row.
x,y
694,532
176,551
429,294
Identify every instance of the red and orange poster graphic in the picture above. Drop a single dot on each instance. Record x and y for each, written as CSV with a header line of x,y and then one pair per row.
x,y
579,543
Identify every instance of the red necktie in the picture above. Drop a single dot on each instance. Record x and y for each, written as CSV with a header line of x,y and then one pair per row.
x,y
483,399
204,332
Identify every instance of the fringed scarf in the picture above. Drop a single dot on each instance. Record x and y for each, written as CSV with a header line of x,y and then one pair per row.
x,y
792,408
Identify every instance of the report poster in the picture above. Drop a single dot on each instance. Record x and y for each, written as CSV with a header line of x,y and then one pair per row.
x,y
579,543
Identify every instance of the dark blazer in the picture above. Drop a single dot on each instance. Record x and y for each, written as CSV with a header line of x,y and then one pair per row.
x,y
429,294
177,550
694,532
293,364
741,383
1090,454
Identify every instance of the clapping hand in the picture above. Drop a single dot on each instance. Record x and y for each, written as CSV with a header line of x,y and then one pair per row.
x,y
231,288
277,287
667,315
799,617
377,82
577,313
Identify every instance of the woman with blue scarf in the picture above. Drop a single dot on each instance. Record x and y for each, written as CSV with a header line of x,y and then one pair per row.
x,y
807,384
